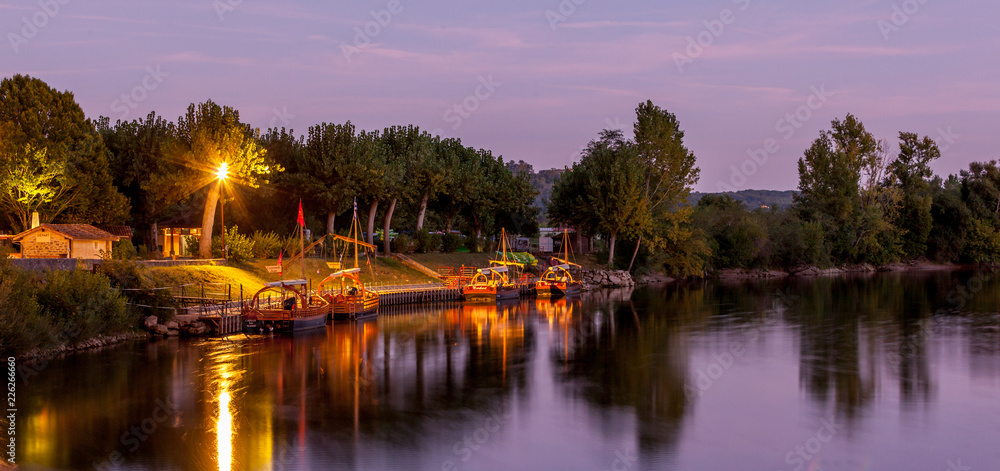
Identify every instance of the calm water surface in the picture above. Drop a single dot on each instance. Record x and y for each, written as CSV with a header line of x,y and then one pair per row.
x,y
863,373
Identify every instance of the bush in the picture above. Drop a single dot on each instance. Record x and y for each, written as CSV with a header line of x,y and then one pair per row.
x,y
123,250
426,242
451,242
191,244
266,245
21,326
240,246
83,304
403,244
475,244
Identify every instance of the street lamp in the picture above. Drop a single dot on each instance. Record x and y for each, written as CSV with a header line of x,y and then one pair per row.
x,y
223,169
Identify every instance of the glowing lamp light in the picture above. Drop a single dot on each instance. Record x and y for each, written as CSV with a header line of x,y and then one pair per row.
x,y
223,170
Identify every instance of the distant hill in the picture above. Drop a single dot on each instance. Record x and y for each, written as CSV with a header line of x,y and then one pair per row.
x,y
755,198
543,180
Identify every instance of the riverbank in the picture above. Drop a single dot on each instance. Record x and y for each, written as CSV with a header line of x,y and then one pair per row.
x,y
813,271
96,343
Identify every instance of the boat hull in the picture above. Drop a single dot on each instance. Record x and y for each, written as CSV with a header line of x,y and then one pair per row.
x,y
556,289
354,307
490,294
281,321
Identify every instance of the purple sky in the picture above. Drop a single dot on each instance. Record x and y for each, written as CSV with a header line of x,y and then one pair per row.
x,y
559,71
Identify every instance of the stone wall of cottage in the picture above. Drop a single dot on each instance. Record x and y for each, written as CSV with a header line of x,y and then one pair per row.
x,y
45,244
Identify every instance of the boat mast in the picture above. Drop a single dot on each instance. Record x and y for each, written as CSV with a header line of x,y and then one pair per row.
x,y
302,247
356,229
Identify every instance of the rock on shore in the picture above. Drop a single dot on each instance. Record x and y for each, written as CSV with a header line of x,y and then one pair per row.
x,y
606,279
187,327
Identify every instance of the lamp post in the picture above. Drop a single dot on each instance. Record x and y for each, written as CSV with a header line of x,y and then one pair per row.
x,y
223,169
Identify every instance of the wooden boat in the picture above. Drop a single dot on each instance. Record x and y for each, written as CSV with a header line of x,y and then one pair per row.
x,y
295,310
348,298
495,282
491,285
557,280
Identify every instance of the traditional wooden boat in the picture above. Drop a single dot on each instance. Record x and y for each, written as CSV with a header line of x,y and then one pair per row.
x,y
348,298
293,311
557,280
495,282
491,285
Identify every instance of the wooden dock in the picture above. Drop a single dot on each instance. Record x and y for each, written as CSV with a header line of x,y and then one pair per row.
x,y
222,315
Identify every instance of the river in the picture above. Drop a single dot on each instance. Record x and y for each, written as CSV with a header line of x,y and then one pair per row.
x,y
872,372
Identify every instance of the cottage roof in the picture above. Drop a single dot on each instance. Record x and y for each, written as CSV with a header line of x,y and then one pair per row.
x,y
72,232
124,232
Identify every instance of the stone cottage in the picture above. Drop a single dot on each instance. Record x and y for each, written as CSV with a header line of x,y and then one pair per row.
x,y
65,241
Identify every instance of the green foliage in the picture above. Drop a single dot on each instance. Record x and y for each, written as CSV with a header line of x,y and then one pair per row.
x,y
451,243
678,246
951,222
22,328
426,242
84,304
241,247
403,243
266,245
983,243
137,158
206,137
192,243
840,187
124,250
752,199
911,173
52,159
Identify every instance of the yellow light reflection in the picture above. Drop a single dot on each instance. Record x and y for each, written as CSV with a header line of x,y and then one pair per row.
x,y
224,430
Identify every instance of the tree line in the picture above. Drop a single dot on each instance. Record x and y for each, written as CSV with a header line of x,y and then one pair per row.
x,y
858,203
56,161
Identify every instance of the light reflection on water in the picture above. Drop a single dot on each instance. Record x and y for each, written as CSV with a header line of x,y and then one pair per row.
x,y
701,376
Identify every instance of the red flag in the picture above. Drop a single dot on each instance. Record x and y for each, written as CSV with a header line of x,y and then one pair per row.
x,y
301,220
281,271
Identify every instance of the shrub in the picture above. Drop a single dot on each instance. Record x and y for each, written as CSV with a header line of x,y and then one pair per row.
x,y
191,244
123,250
403,244
451,242
240,246
21,326
266,245
474,244
425,242
83,304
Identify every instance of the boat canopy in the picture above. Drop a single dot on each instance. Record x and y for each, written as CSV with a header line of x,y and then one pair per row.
x,y
507,263
500,269
565,262
283,283
564,266
345,272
